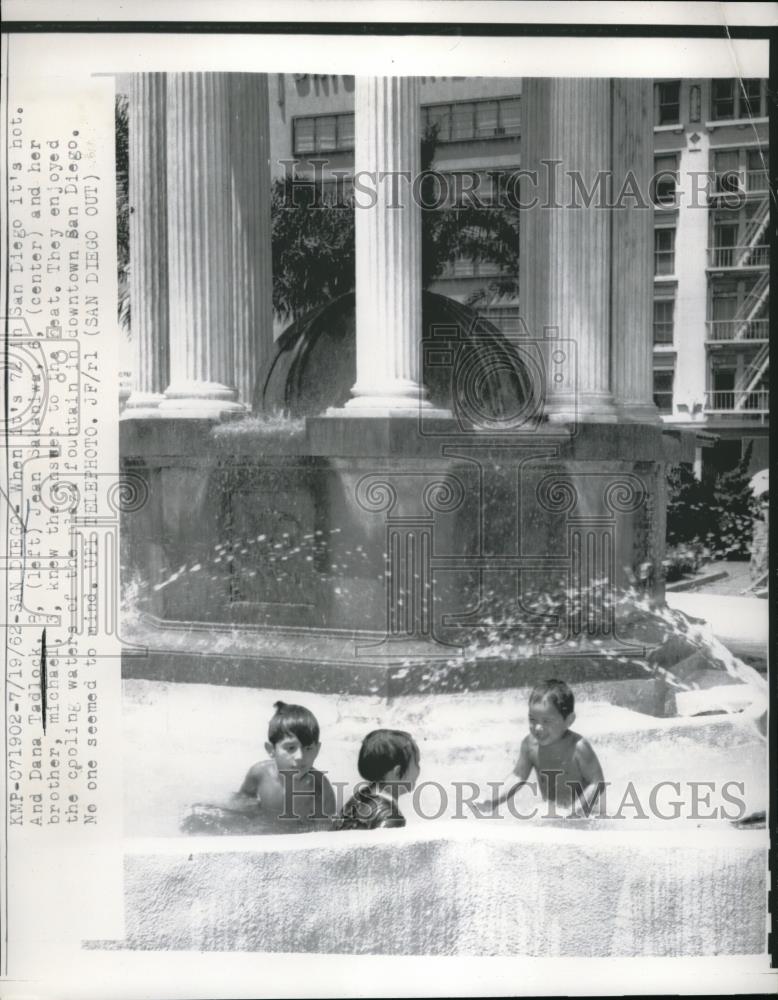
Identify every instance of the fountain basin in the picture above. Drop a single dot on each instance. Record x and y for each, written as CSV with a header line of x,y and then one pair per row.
x,y
454,889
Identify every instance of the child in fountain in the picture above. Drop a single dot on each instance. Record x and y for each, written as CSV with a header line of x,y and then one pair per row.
x,y
287,787
569,773
389,763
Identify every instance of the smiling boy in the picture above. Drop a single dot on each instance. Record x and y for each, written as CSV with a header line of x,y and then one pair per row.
x,y
568,770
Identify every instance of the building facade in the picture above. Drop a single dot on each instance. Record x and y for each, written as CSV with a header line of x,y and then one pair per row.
x,y
711,262
711,212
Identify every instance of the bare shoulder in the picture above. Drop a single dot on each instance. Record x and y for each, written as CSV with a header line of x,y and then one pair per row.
x,y
529,748
261,768
587,759
582,747
256,775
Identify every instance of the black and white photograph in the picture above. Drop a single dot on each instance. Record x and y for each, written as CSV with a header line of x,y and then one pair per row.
x,y
387,501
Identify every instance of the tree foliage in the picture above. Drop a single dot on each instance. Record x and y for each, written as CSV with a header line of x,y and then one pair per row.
x,y
313,240
313,236
312,245
715,518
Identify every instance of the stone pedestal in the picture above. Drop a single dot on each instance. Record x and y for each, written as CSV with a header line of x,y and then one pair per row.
x,y
148,244
200,201
363,555
388,249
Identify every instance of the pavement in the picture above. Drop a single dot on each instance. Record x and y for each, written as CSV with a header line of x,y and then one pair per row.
x,y
742,624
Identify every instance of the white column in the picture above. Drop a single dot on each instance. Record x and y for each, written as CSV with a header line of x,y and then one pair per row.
x,y
632,264
148,244
565,251
252,264
388,249
199,157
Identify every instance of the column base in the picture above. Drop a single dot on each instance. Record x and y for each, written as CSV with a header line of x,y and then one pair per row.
x,y
402,399
639,413
142,405
200,401
389,408
396,396
589,408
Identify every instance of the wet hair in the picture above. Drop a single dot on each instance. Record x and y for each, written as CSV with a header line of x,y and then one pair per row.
x,y
556,692
293,720
384,749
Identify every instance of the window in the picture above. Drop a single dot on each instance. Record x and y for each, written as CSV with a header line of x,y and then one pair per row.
x,y
724,387
744,98
725,239
667,102
723,379
465,120
663,389
725,228
739,237
726,170
323,133
346,131
665,179
664,251
303,140
751,97
510,119
664,310
723,312
723,98
724,305
736,170
486,118
757,169
462,121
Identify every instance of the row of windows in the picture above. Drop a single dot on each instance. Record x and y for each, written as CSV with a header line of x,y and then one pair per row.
x,y
455,122
465,120
722,396
460,121
323,133
737,239
734,313
734,170
730,99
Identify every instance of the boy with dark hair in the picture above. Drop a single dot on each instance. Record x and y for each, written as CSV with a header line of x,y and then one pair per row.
x,y
569,773
287,787
389,763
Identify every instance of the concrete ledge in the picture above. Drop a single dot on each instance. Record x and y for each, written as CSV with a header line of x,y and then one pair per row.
x,y
331,662
454,891
694,582
742,624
